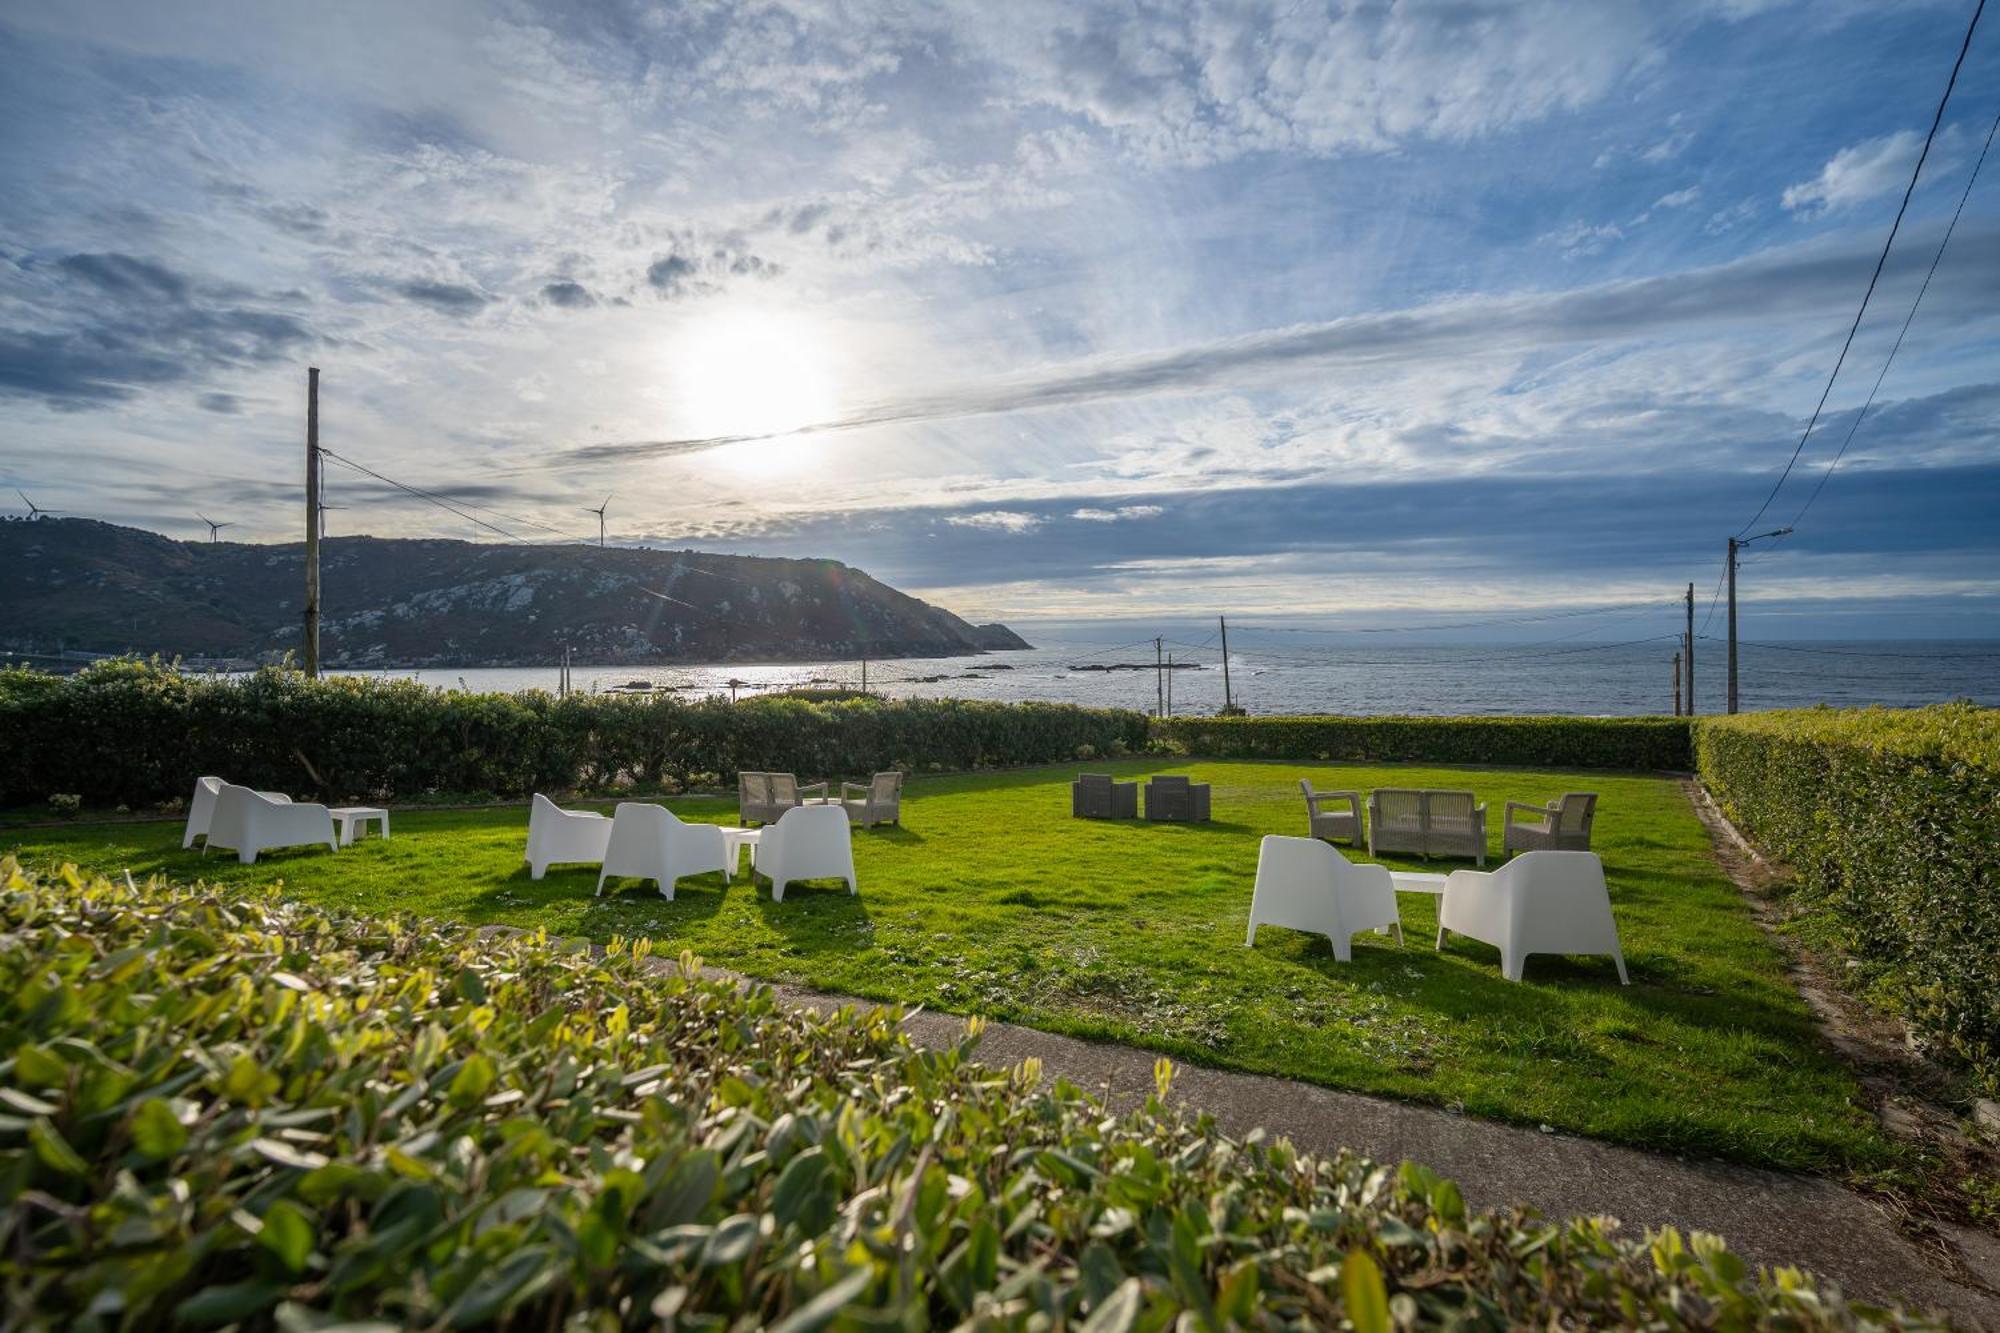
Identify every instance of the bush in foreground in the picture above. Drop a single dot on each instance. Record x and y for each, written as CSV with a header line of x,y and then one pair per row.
x,y
1890,819
243,1110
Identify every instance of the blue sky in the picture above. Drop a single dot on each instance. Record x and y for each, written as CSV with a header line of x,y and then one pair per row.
x,y
1366,311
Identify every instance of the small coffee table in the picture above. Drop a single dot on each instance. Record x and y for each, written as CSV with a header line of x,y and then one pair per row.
x,y
1416,881
734,840
353,821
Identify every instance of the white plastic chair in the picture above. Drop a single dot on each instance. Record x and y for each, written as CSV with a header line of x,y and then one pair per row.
x,y
559,835
201,809
1305,884
248,822
1539,902
650,842
807,842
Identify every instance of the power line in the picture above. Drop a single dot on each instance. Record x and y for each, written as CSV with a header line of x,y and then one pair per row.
x,y
1851,652
1882,259
1459,624
421,494
1904,331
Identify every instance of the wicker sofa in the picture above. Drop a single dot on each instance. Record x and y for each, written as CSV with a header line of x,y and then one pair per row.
x,y
1097,796
763,798
1176,800
1427,822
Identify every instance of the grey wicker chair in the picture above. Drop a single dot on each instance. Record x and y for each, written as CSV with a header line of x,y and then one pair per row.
x,y
1343,821
1096,796
1563,825
877,801
1177,801
1426,822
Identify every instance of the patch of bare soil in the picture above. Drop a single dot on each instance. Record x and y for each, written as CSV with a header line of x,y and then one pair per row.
x,y
1944,1199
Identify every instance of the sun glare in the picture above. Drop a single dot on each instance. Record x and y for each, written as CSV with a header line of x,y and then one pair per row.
x,y
754,372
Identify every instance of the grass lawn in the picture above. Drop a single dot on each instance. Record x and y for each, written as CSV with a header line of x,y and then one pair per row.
x,y
990,899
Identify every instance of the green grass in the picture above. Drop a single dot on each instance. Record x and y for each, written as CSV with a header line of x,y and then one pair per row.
x,y
990,899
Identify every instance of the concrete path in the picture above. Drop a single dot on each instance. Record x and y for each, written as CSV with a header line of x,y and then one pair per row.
x,y
1769,1217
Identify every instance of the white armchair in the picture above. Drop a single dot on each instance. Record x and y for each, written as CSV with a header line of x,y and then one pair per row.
x,y
807,842
559,835
1539,902
248,822
201,810
1305,884
651,842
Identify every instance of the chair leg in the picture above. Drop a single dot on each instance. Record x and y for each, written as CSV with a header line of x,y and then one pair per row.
x,y
1343,948
667,887
1250,936
1440,943
1399,934
1618,957
1511,967
601,877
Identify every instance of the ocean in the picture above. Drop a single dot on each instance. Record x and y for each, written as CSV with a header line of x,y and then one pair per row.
x,y
1598,679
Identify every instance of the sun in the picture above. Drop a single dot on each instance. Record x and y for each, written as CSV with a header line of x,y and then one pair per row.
x,y
751,371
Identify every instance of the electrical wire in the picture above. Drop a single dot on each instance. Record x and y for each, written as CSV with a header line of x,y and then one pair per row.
x,y
1937,119
1851,652
420,493
1904,331
1460,624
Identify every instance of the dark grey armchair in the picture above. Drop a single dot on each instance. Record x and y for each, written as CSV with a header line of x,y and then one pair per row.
x,y
1177,800
1096,796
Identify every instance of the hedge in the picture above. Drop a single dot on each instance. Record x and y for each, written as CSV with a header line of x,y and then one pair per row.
x,y
1890,820
1637,743
246,1111
135,733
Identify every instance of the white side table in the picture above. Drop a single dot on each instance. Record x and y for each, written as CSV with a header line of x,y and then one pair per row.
x,y
353,821
1416,881
734,840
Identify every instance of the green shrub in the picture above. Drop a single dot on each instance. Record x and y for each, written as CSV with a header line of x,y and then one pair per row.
x,y
1633,743
139,732
1891,821
246,1111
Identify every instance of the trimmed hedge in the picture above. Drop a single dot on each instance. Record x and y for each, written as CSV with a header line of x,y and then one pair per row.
x,y
246,1111
1637,743
1891,821
135,732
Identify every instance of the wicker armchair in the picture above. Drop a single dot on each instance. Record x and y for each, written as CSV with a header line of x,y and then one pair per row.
x,y
1177,801
877,801
1426,822
1344,821
1563,825
1096,796
764,797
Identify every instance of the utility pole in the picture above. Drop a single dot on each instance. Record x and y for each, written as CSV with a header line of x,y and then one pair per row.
x,y
312,524
1228,704
864,673
1677,684
1690,651
1734,547
1159,681
1170,684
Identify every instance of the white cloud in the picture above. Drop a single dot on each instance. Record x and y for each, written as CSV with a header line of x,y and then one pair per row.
x,y
996,520
1857,173
1122,512
1679,198
1579,239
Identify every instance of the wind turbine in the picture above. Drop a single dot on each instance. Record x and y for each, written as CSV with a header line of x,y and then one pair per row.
x,y
599,511
35,511
213,527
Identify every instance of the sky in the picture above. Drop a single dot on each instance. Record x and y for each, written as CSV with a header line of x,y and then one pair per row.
x,y
1352,313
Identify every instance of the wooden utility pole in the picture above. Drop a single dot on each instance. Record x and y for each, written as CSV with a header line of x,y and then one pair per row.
x,y
1689,648
1170,684
1736,546
1733,545
864,673
1677,684
1228,704
1159,681
312,523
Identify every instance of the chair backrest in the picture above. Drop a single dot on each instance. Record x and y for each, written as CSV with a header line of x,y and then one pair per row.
x,y
809,833
885,787
1578,809
234,808
1094,781
1451,806
753,788
784,788
1559,892
1175,786
1306,786
202,808
1397,805
1282,860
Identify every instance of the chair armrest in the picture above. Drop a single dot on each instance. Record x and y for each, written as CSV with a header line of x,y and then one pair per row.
x,y
819,787
277,796
1353,798
584,814
847,787
1538,811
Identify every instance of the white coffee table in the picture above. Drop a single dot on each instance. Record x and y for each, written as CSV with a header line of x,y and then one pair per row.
x,y
734,840
353,821
1416,881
